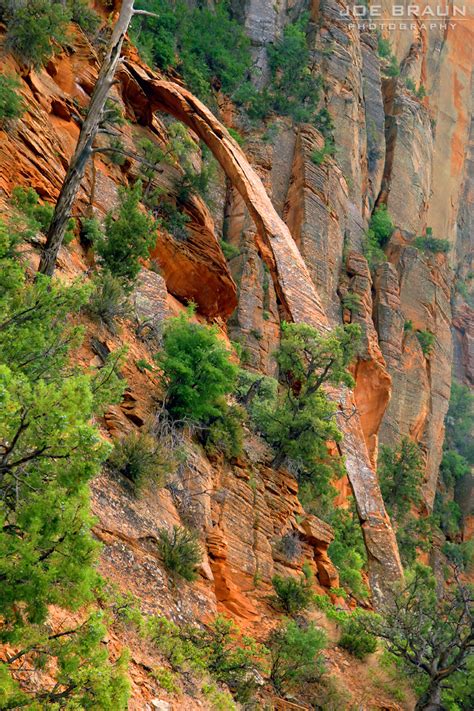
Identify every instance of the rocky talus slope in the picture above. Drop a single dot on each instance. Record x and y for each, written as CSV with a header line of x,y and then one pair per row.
x,y
299,229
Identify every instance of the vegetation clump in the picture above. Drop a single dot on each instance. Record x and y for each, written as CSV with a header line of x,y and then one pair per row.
x,y
348,552
35,30
128,237
225,433
231,660
295,656
429,628
356,639
209,48
109,300
297,418
292,594
11,103
427,340
218,649
378,234
428,243
290,546
38,29
389,65
401,474
180,552
197,375
351,302
50,451
197,370
39,216
318,156
137,457
458,457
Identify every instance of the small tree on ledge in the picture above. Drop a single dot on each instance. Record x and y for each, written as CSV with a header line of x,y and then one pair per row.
x,y
430,630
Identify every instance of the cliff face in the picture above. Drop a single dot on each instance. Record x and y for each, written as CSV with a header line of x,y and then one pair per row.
x,y
299,228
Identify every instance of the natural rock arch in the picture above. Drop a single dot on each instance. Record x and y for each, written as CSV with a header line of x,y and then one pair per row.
x,y
295,290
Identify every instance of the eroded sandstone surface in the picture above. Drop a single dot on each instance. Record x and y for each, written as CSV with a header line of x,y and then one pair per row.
x,y
299,228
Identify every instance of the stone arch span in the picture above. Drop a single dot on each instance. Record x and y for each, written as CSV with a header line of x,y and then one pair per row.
x,y
295,290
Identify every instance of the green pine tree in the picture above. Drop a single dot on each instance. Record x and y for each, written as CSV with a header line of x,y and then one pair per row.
x,y
49,451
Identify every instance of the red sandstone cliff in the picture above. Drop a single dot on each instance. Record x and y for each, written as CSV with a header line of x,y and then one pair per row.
x,y
304,223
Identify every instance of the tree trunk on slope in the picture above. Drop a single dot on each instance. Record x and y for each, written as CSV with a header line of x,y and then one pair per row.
x,y
431,699
89,130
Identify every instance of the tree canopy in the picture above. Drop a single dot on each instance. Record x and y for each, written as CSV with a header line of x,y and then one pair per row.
x,y
49,451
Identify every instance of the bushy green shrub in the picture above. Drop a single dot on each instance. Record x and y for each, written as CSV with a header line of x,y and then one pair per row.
x,y
347,551
230,251
90,230
432,244
459,421
137,457
295,656
460,554
197,371
180,552
238,138
350,564
356,639
384,48
167,680
206,45
421,92
212,52
401,475
173,219
389,65
458,457
231,660
39,216
427,341
299,420
50,451
26,200
218,649
414,535
448,516
381,225
225,433
175,643
392,68
195,182
294,90
428,243
11,103
351,302
379,232
128,236
84,16
453,467
109,300
254,390
36,30
318,156
292,594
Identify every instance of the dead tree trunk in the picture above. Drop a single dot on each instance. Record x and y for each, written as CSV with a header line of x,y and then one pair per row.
x,y
89,130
